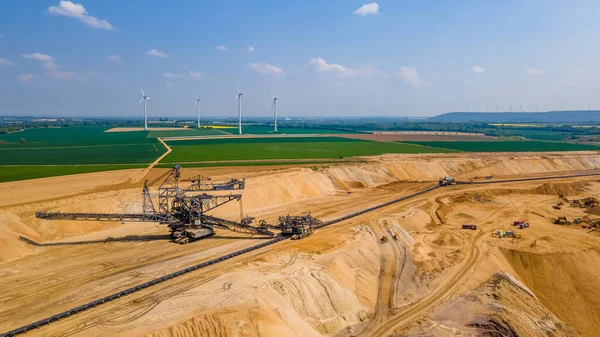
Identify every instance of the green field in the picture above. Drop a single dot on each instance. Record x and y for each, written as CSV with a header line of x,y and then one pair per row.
x,y
265,130
13,173
509,146
78,145
72,136
186,132
284,148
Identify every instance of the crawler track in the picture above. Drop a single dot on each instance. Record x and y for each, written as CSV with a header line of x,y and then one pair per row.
x,y
142,286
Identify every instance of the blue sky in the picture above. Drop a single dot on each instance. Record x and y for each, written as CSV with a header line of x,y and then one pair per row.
x,y
325,58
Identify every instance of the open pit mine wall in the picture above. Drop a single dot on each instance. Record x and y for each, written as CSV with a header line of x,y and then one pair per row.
x,y
281,188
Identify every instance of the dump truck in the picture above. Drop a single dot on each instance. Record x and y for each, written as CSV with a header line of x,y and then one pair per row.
x,y
523,225
469,226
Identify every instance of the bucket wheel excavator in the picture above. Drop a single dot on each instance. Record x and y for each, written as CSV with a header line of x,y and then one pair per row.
x,y
182,206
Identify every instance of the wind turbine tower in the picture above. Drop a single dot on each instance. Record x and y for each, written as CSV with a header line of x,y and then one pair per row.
x,y
238,97
144,98
274,107
198,109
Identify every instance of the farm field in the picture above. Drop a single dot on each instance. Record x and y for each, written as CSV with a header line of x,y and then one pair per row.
x,y
14,173
71,136
78,145
186,132
263,130
288,148
509,146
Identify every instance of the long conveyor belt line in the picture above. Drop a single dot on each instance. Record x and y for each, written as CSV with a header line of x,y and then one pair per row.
x,y
145,285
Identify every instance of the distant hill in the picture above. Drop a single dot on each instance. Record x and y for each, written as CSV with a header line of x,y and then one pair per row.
x,y
573,116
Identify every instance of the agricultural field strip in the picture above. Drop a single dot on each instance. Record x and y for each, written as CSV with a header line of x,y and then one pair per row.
x,y
231,136
508,146
65,147
269,148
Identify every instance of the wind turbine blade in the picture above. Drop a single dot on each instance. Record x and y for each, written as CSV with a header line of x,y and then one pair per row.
x,y
270,93
142,90
140,102
148,97
197,99
273,106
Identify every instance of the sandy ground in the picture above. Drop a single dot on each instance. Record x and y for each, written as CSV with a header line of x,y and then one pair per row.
x,y
429,279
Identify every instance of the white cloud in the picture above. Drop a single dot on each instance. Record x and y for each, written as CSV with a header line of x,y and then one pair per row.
x,y
368,9
410,76
5,63
38,57
221,48
64,75
197,75
27,77
52,69
73,10
115,59
267,69
478,69
154,52
319,65
534,71
172,75
50,65
249,49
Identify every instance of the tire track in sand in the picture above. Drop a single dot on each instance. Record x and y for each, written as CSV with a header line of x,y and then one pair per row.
x,y
439,295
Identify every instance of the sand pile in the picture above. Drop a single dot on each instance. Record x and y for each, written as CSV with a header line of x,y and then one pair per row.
x,y
500,307
564,282
286,293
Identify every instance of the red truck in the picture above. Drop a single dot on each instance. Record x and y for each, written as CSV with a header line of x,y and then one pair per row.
x,y
518,222
469,226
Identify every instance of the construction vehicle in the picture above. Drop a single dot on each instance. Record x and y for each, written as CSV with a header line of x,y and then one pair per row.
x,y
518,222
512,234
577,221
447,180
489,177
562,220
523,225
500,233
183,207
557,207
469,226
297,227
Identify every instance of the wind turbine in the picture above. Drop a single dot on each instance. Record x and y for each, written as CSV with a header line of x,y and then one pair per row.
x,y
144,98
274,107
238,98
198,109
